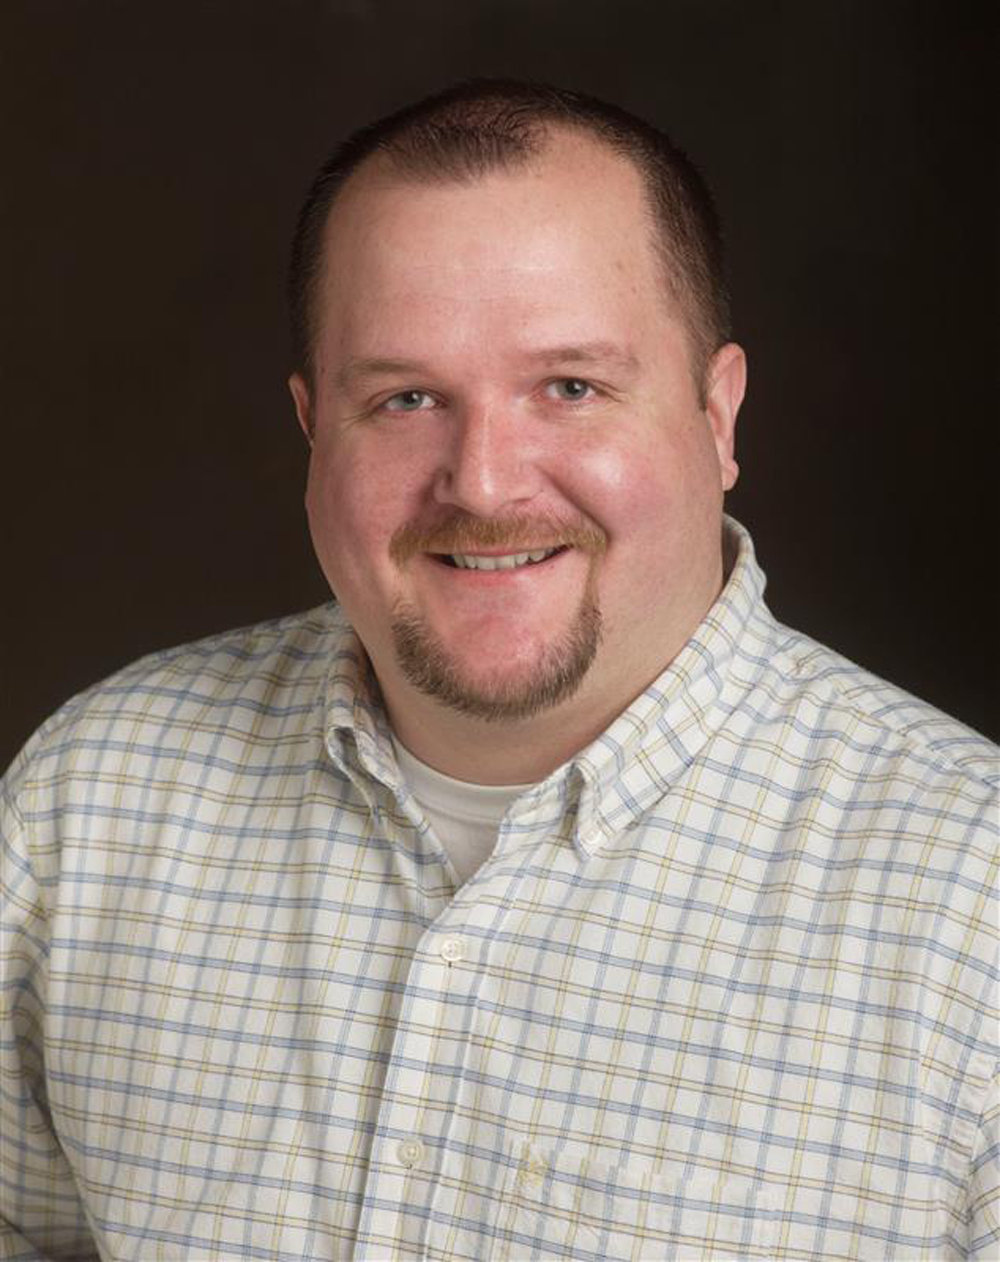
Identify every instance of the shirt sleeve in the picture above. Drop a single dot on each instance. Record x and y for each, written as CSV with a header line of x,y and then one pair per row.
x,y
984,1186
41,1217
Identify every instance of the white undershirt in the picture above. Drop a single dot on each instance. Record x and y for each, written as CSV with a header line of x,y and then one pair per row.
x,y
465,817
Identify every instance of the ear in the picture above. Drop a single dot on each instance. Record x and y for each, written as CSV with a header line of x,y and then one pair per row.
x,y
726,380
303,404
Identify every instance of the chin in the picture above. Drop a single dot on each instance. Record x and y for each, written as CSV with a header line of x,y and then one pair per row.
x,y
547,678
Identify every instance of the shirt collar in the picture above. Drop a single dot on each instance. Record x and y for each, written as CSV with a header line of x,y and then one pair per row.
x,y
634,763
631,765
358,736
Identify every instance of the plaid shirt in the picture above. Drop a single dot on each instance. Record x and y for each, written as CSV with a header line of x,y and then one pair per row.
x,y
725,989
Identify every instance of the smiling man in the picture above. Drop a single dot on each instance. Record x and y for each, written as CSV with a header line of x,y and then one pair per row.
x,y
542,897
519,456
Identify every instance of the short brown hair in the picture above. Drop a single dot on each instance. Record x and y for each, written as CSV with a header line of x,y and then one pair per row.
x,y
483,125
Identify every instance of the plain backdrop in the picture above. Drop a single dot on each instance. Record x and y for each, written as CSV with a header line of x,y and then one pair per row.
x,y
154,156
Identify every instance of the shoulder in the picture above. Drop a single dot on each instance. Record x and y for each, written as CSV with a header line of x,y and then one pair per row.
x,y
255,684
836,702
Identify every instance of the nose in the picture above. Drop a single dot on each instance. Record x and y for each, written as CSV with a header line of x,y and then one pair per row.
x,y
489,465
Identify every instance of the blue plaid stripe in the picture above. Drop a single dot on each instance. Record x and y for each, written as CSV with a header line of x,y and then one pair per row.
x,y
727,987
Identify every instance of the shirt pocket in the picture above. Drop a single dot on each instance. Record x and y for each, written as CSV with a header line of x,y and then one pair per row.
x,y
562,1203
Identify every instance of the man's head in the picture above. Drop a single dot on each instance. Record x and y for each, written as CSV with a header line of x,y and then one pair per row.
x,y
481,126
517,476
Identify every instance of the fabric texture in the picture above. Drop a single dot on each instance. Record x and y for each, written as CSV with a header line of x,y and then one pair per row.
x,y
464,817
725,989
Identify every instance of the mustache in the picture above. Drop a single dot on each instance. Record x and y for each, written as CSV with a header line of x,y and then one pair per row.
x,y
464,533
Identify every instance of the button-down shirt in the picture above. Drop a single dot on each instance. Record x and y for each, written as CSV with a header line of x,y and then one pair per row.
x,y
725,989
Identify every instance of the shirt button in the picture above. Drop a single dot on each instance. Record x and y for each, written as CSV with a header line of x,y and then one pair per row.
x,y
410,1153
452,950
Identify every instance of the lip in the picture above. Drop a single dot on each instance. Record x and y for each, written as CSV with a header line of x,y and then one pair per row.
x,y
497,552
516,573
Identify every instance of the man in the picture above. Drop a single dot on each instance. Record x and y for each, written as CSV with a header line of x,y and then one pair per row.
x,y
542,898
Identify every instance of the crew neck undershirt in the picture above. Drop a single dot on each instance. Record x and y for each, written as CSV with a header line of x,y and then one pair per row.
x,y
465,817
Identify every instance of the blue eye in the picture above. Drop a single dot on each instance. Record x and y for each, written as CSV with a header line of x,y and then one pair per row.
x,y
409,401
571,389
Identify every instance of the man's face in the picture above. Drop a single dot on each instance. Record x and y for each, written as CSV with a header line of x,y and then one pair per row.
x,y
500,372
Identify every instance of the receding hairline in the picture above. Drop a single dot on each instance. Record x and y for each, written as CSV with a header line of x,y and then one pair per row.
x,y
393,164
384,169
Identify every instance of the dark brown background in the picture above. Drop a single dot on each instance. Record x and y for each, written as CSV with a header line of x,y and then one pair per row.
x,y
154,157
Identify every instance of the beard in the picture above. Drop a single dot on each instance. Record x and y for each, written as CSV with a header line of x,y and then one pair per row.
x,y
503,695
553,677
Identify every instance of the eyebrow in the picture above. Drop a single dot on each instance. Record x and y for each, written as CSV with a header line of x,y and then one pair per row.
x,y
355,368
586,353
575,353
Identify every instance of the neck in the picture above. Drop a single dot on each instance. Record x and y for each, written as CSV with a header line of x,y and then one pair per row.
x,y
521,751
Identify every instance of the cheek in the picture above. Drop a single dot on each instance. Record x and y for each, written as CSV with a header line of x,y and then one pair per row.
x,y
658,497
353,508
640,480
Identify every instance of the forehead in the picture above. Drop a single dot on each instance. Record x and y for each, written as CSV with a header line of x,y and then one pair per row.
x,y
575,196
559,250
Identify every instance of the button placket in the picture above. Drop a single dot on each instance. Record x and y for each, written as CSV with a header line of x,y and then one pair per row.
x,y
401,1186
446,973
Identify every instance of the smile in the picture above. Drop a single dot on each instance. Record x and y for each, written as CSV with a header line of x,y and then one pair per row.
x,y
510,561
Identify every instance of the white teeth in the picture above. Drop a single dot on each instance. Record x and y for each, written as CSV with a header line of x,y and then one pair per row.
x,y
509,562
